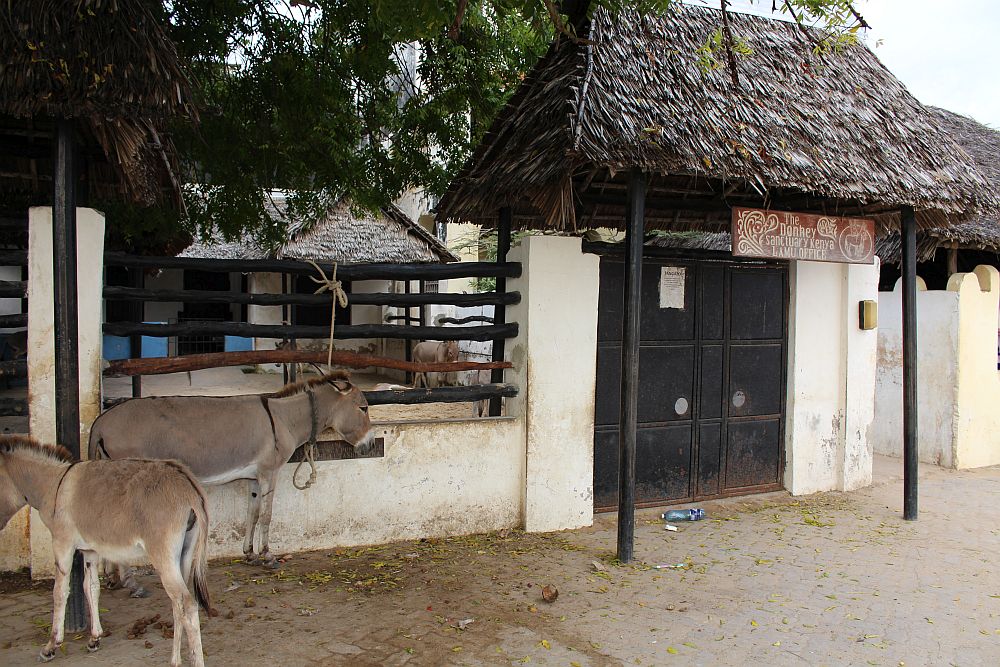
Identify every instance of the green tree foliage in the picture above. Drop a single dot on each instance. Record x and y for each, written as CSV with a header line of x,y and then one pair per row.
x,y
315,96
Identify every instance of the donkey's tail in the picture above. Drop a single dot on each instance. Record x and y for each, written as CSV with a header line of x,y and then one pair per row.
x,y
194,554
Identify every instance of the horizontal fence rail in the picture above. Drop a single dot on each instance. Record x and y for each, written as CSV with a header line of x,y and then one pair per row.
x,y
194,362
476,392
14,321
114,293
13,289
13,407
375,271
17,368
302,331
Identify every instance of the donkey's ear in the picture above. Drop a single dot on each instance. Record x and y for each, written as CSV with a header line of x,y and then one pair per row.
x,y
343,386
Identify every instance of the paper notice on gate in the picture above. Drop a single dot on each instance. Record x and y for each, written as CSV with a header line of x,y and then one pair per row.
x,y
672,287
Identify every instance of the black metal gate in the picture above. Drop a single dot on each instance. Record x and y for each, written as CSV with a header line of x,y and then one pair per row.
x,y
712,365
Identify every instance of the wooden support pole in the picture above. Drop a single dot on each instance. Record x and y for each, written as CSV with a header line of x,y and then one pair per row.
x,y
135,340
910,450
499,311
408,352
952,260
634,232
66,332
194,362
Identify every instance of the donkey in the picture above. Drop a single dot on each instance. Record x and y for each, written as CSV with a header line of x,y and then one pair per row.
x,y
226,438
433,351
120,510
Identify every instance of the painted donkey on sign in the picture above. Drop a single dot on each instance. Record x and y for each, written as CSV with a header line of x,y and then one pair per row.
x,y
226,438
118,510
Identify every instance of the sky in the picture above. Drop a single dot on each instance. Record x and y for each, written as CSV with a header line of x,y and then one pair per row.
x,y
946,52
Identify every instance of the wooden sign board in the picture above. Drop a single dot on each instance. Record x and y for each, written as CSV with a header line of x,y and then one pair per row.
x,y
818,238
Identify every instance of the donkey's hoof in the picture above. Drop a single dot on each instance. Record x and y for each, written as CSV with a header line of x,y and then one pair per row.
x,y
94,644
139,592
46,655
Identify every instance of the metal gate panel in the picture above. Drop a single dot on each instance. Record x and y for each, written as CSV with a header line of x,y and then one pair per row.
x,y
711,380
753,453
755,380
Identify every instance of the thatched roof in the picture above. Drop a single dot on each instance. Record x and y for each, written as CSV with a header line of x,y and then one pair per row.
x,y
106,63
341,237
982,143
835,133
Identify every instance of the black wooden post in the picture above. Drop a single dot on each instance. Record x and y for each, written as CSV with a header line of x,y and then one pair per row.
x,y
634,232
499,311
135,341
909,236
409,378
66,332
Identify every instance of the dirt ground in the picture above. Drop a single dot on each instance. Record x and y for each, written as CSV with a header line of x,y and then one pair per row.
x,y
829,579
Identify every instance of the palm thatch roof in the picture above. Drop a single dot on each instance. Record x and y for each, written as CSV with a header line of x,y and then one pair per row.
x,y
982,143
341,237
109,65
834,133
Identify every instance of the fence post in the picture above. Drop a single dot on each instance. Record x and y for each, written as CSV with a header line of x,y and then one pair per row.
x,y
499,311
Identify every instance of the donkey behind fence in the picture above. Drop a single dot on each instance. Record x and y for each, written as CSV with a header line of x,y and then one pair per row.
x,y
119,510
226,438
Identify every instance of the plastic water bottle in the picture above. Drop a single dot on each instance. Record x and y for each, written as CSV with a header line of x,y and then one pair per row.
x,y
683,515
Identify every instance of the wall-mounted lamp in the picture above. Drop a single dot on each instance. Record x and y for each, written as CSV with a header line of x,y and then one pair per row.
x,y
867,314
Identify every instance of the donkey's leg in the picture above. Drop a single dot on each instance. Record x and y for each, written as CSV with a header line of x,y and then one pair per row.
x,y
253,514
185,610
267,499
60,593
126,579
92,590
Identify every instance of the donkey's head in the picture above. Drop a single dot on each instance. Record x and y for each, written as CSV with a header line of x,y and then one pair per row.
x,y
11,498
13,448
451,350
343,408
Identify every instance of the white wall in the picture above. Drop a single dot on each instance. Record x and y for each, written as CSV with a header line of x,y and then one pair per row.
x,y
831,378
937,374
41,342
555,357
436,479
958,385
532,469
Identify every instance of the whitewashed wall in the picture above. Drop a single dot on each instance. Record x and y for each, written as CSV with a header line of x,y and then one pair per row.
x,y
958,385
41,344
532,469
831,378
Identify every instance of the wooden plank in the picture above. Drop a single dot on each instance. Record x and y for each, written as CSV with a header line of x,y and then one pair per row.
x,y
16,368
802,236
193,362
414,396
476,392
115,293
13,407
303,331
13,289
14,321
375,271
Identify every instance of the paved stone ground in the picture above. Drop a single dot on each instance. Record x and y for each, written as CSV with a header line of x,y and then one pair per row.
x,y
830,579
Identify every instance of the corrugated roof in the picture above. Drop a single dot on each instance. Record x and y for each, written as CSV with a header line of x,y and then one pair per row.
x,y
819,132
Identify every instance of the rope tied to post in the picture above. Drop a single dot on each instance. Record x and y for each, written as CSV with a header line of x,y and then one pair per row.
x,y
337,293
339,297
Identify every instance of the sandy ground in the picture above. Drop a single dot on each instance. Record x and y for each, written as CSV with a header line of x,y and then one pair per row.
x,y
829,579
